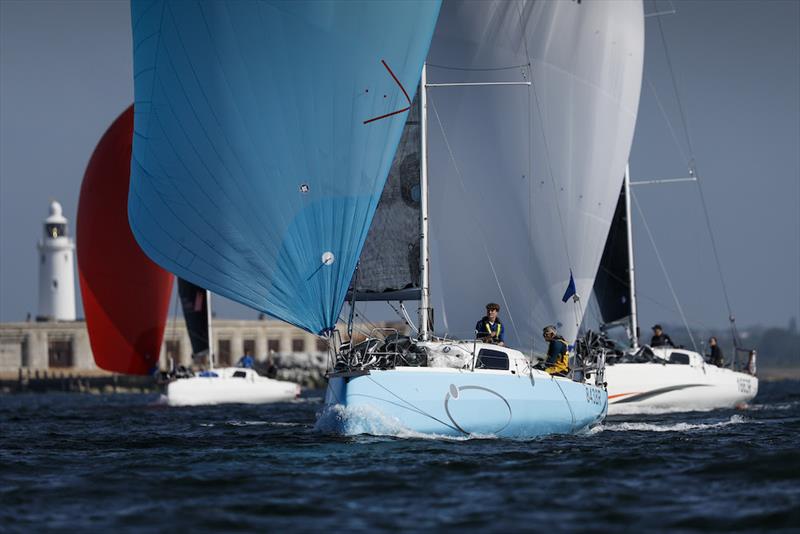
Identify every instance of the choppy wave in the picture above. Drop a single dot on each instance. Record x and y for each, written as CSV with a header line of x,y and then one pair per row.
x,y
779,406
260,423
675,427
86,462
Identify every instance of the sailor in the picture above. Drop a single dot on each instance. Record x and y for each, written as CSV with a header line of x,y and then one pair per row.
x,y
715,356
557,362
660,339
246,361
490,329
272,370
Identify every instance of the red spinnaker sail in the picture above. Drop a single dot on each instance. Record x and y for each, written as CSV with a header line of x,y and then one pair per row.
x,y
125,295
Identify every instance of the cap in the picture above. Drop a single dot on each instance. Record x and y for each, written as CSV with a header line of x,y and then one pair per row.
x,y
657,327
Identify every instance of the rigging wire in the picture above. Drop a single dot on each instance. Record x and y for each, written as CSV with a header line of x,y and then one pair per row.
x,y
683,154
664,270
693,172
678,100
577,308
480,228
532,88
527,74
476,69
641,294
551,175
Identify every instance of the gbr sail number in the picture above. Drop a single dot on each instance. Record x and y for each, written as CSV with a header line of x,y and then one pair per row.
x,y
593,396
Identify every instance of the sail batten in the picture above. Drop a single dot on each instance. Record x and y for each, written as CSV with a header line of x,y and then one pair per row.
x,y
252,159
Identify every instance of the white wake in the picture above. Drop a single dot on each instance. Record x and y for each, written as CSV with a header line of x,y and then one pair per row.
x,y
676,427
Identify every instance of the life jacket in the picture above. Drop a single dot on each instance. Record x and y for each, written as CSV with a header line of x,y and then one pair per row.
x,y
496,333
561,363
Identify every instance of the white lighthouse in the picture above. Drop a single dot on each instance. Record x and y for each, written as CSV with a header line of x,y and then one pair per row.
x,y
56,273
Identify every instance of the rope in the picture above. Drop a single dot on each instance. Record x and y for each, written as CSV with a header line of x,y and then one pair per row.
x,y
664,270
404,316
408,319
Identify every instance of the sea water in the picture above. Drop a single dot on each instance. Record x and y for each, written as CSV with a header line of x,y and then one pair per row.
x,y
131,463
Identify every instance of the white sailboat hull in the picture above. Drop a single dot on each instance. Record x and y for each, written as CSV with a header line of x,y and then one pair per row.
x,y
668,387
230,386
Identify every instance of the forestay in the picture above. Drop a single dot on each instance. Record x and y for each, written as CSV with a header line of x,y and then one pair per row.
x,y
524,179
264,135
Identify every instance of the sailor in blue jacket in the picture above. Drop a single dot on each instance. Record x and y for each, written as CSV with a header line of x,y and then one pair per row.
x,y
490,329
557,362
246,361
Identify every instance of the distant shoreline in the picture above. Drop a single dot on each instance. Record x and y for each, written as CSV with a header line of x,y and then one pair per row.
x,y
775,374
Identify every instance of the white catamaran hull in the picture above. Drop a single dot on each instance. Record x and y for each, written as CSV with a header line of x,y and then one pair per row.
x,y
231,385
667,387
453,402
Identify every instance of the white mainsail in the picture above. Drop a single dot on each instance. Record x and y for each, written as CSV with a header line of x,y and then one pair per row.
x,y
524,179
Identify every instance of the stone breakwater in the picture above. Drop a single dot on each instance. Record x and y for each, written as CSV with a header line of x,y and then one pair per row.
x,y
308,370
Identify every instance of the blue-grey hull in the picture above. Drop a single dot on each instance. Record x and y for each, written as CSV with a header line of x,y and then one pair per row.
x,y
457,403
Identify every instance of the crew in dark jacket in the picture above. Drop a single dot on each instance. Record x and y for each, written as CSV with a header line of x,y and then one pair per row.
x,y
490,329
660,339
715,356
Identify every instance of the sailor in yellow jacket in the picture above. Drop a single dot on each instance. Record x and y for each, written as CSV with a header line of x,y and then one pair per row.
x,y
557,362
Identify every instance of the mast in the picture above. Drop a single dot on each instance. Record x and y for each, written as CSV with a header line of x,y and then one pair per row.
x,y
210,344
424,301
631,278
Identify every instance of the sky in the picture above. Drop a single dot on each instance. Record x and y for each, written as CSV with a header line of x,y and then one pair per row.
x,y
66,73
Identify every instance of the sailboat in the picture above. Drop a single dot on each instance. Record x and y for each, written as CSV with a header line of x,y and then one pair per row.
x,y
264,134
218,385
524,219
126,295
656,379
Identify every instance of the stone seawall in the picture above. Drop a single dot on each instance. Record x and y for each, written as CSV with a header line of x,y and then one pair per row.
x,y
308,370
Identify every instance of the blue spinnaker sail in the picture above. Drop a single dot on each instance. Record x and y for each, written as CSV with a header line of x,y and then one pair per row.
x,y
264,132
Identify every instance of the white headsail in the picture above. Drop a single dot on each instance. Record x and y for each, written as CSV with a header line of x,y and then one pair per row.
x,y
524,179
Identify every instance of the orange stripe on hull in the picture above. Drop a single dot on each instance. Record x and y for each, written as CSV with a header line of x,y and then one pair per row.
x,y
622,395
